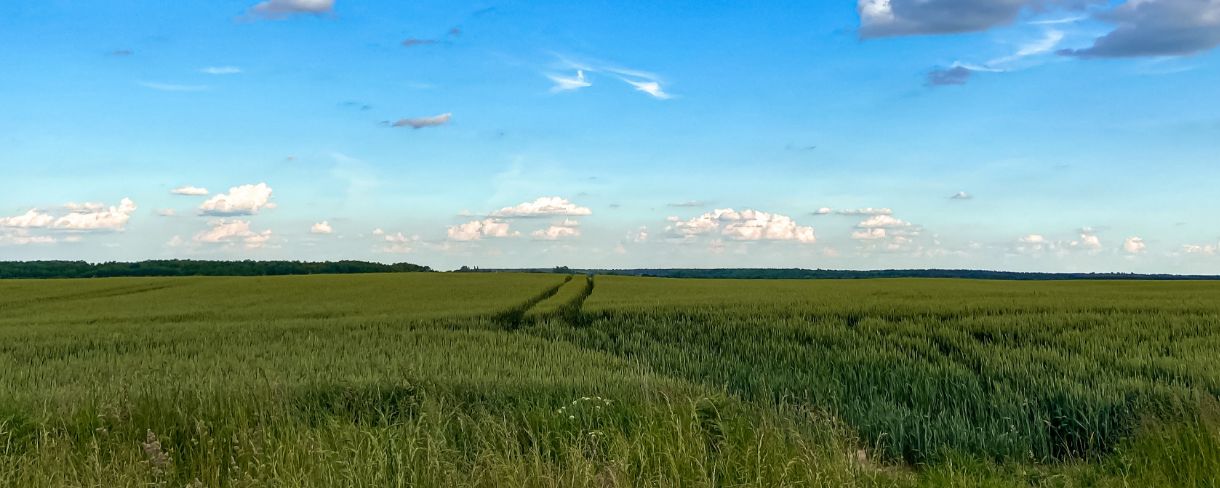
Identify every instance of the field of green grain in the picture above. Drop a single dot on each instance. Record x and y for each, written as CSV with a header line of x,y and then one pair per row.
x,y
505,379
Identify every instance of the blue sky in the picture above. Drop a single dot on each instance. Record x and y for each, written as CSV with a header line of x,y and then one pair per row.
x,y
1075,136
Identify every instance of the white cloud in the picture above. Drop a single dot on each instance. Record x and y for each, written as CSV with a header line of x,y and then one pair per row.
x,y
1047,43
1088,241
240,200
422,122
869,234
79,217
322,227
233,231
1134,245
167,212
31,219
1037,243
823,211
21,237
565,83
880,221
282,8
746,225
555,233
478,229
650,87
866,211
188,190
543,207
398,243
95,216
640,235
642,81
220,70
378,232
1202,249
961,195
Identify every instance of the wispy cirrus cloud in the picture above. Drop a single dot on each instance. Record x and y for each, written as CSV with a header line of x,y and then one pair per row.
x,y
642,81
220,70
567,83
171,87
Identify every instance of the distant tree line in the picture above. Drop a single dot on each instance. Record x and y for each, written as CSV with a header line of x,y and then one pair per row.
x,y
832,274
177,267
797,273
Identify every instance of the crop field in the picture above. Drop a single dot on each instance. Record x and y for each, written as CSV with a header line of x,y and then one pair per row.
x,y
501,379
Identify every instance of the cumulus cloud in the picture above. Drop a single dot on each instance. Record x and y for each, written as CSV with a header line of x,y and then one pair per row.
x,y
883,221
1033,243
869,234
232,232
479,229
1201,249
275,9
33,218
543,207
95,216
746,225
865,211
1134,245
884,232
398,243
78,217
1156,28
823,211
961,195
322,227
556,232
568,83
240,200
190,191
422,122
21,237
1089,242
886,18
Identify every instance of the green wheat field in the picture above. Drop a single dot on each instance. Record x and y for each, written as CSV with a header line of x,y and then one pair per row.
x,y
504,380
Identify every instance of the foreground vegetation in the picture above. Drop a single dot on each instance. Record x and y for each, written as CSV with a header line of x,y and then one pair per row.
x,y
549,380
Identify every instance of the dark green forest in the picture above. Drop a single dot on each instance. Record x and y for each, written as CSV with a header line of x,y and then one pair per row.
x,y
82,269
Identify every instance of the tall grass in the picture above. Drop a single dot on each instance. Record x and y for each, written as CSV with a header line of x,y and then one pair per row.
x,y
531,380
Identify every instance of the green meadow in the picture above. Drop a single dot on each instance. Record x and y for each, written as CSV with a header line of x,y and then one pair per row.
x,y
501,379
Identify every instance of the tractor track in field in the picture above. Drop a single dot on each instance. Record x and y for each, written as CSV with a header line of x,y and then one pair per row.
x,y
569,311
